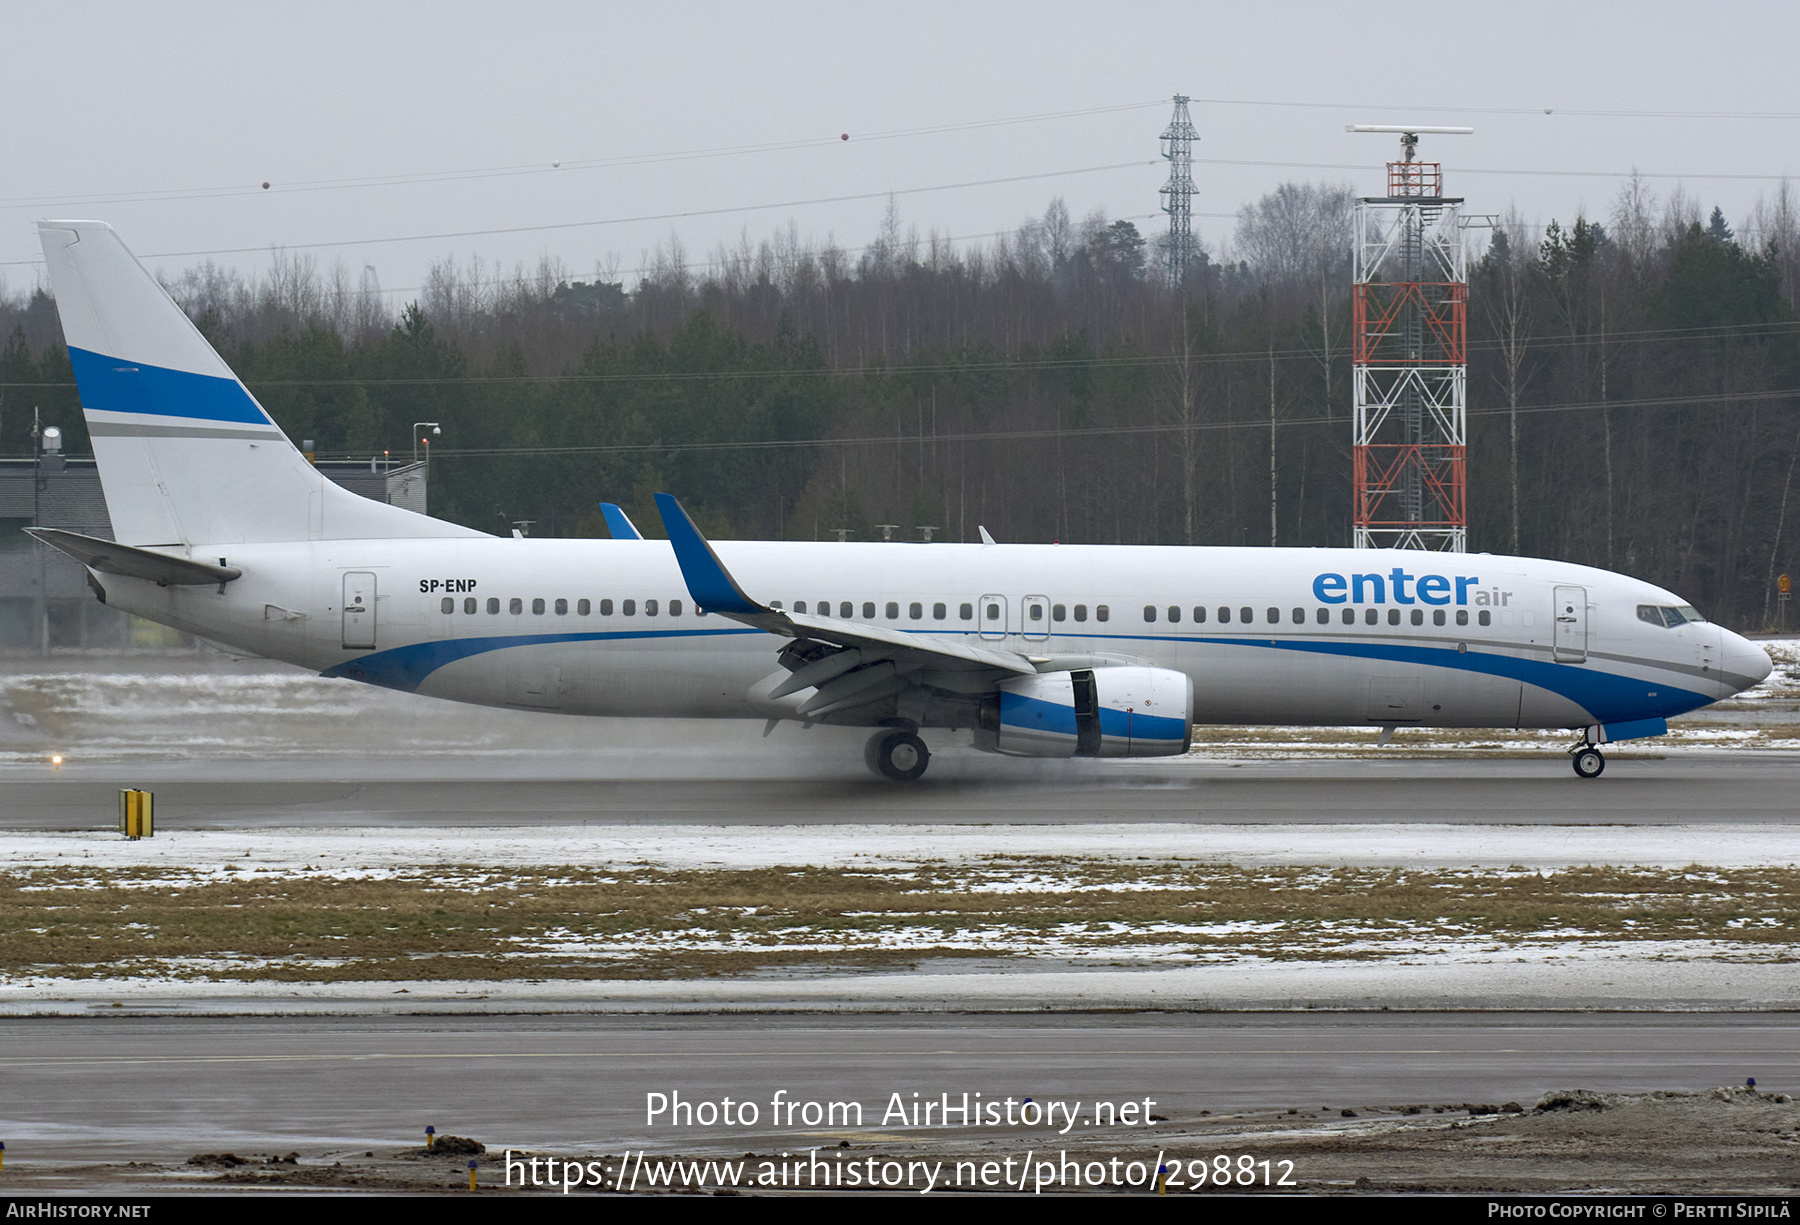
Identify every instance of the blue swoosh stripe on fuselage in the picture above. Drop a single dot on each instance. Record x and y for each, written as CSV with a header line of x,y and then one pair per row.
x,y
114,385
405,668
1604,695
1607,697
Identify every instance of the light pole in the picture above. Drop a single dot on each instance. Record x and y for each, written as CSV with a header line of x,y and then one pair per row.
x,y
435,432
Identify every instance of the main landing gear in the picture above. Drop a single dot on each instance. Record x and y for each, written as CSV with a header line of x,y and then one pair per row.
x,y
897,754
1588,760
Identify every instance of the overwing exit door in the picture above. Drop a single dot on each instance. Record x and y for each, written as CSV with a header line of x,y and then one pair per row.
x,y
991,616
1571,625
1034,617
359,610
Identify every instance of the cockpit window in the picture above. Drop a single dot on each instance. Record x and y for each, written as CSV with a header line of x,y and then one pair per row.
x,y
1668,617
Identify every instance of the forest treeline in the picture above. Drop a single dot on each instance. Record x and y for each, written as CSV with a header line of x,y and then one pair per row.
x,y
1634,385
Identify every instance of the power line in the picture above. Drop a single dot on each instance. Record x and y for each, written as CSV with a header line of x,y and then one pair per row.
x,y
1259,357
559,167
675,216
1251,423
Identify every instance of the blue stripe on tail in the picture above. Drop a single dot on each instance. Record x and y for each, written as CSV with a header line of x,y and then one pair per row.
x,y
113,385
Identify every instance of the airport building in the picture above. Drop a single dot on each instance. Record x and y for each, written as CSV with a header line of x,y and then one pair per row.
x,y
45,604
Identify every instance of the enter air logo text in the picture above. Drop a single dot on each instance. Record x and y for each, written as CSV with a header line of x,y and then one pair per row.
x,y
1405,588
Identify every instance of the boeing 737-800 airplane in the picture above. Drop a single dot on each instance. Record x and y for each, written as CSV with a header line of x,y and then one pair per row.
x,y
225,530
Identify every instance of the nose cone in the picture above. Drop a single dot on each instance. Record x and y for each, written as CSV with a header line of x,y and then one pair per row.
x,y
1745,663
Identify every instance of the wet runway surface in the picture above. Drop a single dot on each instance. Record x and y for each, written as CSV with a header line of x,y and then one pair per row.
x,y
159,1088
558,789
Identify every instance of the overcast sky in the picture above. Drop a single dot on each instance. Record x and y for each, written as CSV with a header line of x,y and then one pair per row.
x,y
380,122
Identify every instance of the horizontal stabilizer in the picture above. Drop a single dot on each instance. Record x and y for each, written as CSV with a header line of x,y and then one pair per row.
x,y
619,523
131,562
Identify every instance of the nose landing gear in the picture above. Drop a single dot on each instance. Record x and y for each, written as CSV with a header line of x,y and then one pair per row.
x,y
1588,760
897,755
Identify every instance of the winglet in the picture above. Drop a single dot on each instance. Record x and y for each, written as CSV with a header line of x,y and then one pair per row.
x,y
708,581
619,524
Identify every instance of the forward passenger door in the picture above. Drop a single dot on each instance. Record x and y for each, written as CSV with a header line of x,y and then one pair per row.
x,y
1570,643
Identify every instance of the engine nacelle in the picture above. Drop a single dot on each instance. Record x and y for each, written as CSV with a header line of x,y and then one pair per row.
x,y
1100,712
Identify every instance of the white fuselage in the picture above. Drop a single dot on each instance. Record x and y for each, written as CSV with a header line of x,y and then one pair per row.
x,y
598,627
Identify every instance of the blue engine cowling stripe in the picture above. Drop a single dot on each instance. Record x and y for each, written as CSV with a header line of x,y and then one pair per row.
x,y
1035,714
113,385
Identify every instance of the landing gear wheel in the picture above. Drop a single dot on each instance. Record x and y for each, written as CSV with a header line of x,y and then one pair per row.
x,y
1588,762
897,755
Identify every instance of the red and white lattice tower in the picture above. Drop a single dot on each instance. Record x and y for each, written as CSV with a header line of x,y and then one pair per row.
x,y
1410,362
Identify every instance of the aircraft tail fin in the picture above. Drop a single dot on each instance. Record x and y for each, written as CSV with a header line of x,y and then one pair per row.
x,y
186,454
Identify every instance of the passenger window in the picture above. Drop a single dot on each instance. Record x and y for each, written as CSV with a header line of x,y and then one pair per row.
x,y
583,608
893,610
966,612
939,612
1149,612
1059,612
493,605
1349,617
606,608
1274,615
1323,616
650,608
562,608
915,611
537,607
868,610
1102,613
449,604
800,606
1299,616
1437,616
1199,614
1246,615
1372,616
1485,617
1224,615
628,607
1393,616
469,605
515,606
1174,613
993,612
674,608
846,610
1418,616
1462,617
1035,612
1081,612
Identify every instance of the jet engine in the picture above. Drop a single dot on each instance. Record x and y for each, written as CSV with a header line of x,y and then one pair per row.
x,y
1099,712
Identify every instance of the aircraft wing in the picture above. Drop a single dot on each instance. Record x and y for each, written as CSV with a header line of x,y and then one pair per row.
x,y
850,663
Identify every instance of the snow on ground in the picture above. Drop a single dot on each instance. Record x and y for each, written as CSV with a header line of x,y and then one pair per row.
x,y
1648,977
362,852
